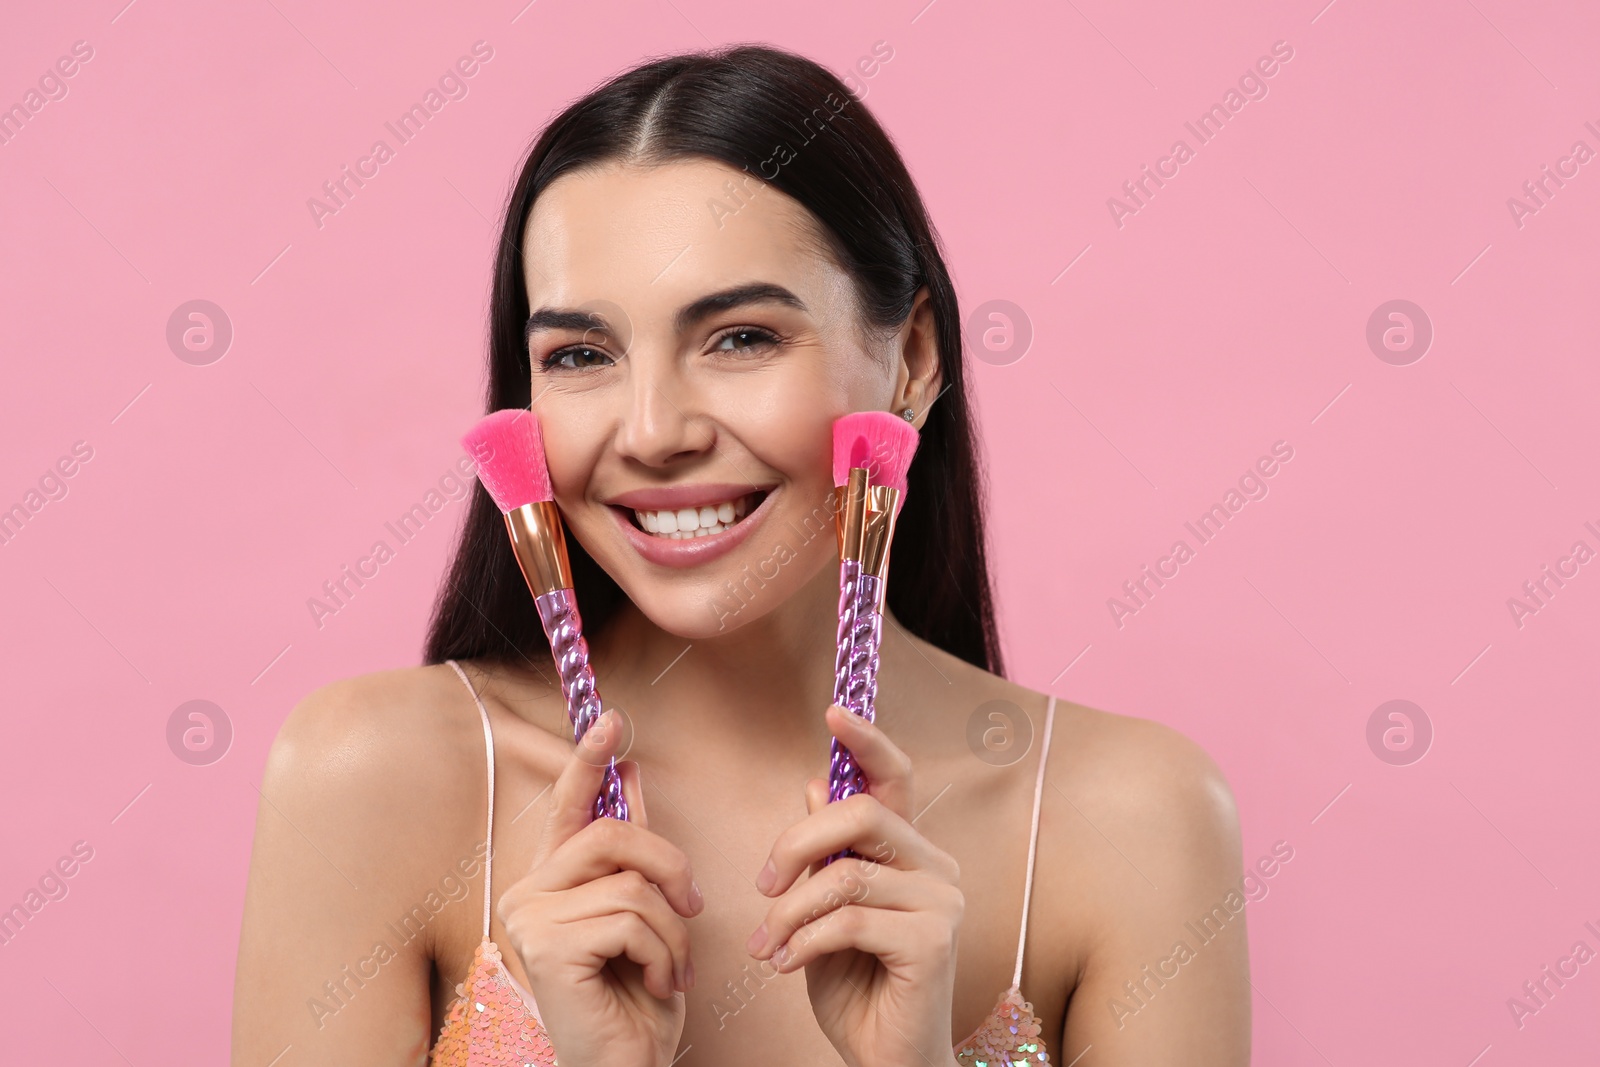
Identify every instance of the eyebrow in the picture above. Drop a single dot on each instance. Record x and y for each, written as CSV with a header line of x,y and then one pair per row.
x,y
688,316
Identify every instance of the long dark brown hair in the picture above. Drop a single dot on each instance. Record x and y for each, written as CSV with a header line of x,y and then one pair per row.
x,y
737,104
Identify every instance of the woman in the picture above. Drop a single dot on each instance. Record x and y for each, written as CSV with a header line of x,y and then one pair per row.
x,y
704,263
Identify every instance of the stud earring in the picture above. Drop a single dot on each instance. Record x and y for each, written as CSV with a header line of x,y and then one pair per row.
x,y
909,414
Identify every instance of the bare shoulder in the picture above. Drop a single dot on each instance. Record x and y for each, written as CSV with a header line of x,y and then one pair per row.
x,y
1139,840
1156,780
372,795
1140,832
377,761
1119,780
376,731
1140,851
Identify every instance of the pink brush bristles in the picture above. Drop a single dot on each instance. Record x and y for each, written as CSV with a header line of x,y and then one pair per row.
x,y
509,451
876,440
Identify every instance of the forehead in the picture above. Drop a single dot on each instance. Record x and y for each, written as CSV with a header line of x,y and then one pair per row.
x,y
663,234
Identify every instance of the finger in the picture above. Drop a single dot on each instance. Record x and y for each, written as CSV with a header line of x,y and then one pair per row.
x,y
607,846
630,891
892,936
849,881
860,823
816,795
887,769
623,933
816,800
576,787
633,792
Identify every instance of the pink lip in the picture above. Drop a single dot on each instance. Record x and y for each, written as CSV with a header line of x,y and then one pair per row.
x,y
673,497
689,551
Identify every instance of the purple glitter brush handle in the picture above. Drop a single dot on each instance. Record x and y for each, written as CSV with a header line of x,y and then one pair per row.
x,y
855,684
559,613
855,669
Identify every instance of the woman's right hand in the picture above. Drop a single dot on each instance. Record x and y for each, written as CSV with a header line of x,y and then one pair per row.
x,y
598,920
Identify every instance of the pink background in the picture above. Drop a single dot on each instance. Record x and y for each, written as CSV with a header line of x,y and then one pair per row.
x,y
1167,355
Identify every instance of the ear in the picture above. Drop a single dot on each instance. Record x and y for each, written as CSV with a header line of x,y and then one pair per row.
x,y
919,375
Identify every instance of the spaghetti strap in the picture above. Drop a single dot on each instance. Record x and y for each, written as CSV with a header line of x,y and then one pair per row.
x,y
1033,840
488,745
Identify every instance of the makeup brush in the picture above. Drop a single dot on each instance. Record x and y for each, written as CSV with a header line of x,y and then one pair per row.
x,y
509,451
872,452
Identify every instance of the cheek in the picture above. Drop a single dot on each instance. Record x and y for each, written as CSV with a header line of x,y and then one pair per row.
x,y
795,440
571,443
785,418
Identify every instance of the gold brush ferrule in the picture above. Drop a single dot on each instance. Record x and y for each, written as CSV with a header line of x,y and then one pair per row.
x,y
839,517
540,543
878,531
851,518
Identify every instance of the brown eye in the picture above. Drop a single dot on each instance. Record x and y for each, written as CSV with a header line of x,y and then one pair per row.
x,y
575,357
749,338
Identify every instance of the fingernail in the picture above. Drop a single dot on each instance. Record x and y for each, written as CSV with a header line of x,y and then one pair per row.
x,y
696,899
757,939
768,875
780,957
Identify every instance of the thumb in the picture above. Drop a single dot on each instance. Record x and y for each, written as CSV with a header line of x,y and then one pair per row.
x,y
573,795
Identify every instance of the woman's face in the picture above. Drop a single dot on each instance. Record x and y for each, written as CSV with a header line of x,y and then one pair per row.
x,y
691,345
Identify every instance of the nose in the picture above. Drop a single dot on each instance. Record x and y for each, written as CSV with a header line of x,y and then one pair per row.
x,y
663,423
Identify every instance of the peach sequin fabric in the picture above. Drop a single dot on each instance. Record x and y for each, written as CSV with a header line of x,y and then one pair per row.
x,y
1009,1037
489,1022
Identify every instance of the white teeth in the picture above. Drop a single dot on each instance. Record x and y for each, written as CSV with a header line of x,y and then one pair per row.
x,y
695,522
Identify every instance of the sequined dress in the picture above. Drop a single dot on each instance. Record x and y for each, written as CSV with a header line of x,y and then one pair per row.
x,y
493,1018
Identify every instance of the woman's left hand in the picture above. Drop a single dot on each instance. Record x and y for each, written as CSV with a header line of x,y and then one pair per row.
x,y
876,936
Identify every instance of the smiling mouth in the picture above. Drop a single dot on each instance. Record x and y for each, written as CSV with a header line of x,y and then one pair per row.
x,y
680,524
